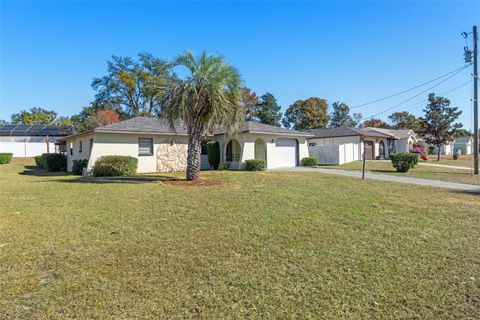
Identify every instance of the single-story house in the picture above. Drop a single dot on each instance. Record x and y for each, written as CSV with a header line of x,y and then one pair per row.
x,y
161,148
31,140
404,139
445,149
337,146
463,144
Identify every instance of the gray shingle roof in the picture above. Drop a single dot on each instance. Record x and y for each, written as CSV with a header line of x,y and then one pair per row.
x,y
162,126
347,132
143,124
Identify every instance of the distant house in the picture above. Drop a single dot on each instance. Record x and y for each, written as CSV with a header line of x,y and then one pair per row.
x,y
446,149
31,140
161,148
464,144
337,146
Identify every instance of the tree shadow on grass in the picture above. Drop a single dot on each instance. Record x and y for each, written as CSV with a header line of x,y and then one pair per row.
x,y
36,171
471,192
382,171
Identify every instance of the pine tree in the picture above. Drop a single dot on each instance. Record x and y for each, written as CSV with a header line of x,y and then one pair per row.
x,y
439,120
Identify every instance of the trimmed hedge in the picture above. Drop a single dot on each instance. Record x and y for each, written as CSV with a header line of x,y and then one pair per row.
x,y
255,165
6,158
78,165
40,162
404,161
55,161
114,166
213,154
308,162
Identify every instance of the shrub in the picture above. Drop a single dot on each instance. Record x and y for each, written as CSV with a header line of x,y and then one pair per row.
x,y
430,149
113,166
255,165
55,161
213,154
308,162
6,158
404,161
78,166
224,166
40,162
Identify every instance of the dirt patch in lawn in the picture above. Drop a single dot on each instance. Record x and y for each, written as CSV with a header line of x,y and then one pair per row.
x,y
196,183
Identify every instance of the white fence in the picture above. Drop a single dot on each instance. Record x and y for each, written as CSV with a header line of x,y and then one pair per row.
x,y
29,146
335,153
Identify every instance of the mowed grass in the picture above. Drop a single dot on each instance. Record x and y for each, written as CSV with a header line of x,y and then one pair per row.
x,y
262,245
463,161
423,172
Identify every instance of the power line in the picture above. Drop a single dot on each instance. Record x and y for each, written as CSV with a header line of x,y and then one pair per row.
x,y
408,90
418,94
410,107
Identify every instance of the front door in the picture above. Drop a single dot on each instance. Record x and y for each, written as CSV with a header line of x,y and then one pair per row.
x,y
368,150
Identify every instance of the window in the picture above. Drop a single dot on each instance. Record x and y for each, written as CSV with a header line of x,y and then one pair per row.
x,y
312,144
70,145
145,146
80,146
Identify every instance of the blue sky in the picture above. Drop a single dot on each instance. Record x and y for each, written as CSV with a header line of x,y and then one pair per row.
x,y
347,51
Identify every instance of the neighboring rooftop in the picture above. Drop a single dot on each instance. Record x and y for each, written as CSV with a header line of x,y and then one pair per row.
x,y
35,130
399,134
256,127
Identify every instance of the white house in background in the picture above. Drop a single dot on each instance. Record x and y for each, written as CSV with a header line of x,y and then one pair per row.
x,y
161,148
31,140
337,146
445,149
465,144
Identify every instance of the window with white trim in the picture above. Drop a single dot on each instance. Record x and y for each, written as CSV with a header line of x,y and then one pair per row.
x,y
145,146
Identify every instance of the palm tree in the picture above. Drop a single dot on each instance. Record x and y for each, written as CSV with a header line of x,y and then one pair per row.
x,y
207,98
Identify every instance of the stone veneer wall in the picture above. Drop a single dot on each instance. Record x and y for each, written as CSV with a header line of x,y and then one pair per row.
x,y
172,157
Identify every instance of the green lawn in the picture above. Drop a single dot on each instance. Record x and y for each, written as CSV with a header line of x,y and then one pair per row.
x,y
424,172
262,245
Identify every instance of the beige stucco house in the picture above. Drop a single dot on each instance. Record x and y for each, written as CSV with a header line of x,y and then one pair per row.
x,y
161,148
337,146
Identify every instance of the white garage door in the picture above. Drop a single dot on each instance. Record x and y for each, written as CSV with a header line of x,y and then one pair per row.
x,y
285,153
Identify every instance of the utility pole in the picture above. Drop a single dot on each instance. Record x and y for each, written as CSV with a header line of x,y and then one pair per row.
x,y
475,100
468,59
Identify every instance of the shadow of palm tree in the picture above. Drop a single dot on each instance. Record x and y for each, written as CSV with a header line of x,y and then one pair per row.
x,y
129,179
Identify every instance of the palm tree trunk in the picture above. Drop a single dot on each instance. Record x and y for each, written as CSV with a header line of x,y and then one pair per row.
x,y
193,158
